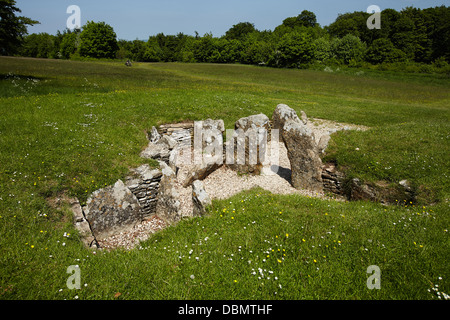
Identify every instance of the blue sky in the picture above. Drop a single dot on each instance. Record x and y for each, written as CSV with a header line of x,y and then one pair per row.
x,y
138,19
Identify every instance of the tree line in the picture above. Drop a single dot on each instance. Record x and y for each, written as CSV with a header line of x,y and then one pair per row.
x,y
409,35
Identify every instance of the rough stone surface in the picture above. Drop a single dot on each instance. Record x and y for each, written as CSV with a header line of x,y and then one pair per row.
x,y
281,114
306,165
201,171
154,135
168,205
111,210
333,180
168,142
182,132
82,225
323,143
158,151
144,183
200,198
210,133
251,135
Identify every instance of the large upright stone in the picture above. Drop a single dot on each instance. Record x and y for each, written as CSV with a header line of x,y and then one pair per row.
x,y
301,145
281,114
248,147
82,225
112,210
208,139
200,198
168,205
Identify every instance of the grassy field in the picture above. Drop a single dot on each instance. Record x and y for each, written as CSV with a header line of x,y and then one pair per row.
x,y
75,127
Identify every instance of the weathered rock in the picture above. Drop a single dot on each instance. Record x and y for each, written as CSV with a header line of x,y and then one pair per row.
x,y
183,136
281,114
167,142
82,225
254,122
406,184
249,144
158,151
154,135
323,143
333,180
112,210
208,138
181,132
362,191
304,117
200,198
201,171
144,183
168,205
306,165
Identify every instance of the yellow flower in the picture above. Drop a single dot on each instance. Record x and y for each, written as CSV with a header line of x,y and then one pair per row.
x,y
315,260
303,240
32,246
279,261
287,235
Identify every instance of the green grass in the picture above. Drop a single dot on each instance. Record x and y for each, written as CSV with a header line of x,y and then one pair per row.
x,y
73,127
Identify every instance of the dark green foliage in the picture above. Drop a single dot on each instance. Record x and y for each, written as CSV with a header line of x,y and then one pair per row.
x,y
348,48
382,50
411,35
98,40
239,31
38,45
293,50
12,27
70,43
